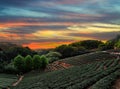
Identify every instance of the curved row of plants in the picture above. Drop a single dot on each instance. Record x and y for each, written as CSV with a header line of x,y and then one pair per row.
x,y
79,77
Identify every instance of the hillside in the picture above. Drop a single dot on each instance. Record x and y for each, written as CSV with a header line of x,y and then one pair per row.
x,y
7,45
97,75
89,58
97,70
7,80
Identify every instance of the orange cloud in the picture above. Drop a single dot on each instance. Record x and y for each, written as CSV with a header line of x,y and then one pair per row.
x,y
44,45
20,24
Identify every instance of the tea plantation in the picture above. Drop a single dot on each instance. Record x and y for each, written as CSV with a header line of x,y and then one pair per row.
x,y
89,58
97,75
7,80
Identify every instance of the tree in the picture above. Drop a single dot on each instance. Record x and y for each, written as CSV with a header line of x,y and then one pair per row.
x,y
53,56
90,44
110,44
117,45
37,62
66,50
28,63
19,63
14,51
44,61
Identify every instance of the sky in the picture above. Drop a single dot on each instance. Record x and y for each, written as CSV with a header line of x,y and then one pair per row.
x,y
42,24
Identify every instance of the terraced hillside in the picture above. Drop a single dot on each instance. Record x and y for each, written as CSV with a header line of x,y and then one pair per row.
x,y
7,80
57,66
97,75
89,58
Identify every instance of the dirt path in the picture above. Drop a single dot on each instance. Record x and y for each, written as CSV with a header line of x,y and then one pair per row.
x,y
117,84
18,81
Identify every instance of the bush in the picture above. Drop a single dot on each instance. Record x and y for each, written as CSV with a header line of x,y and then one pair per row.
x,y
103,47
19,63
1,67
53,56
10,69
28,63
117,45
66,50
44,61
37,62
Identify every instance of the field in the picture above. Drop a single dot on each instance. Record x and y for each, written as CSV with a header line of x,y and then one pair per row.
x,y
97,75
88,58
7,80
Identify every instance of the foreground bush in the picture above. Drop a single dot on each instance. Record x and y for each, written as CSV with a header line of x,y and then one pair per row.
x,y
19,63
28,63
10,69
44,61
37,62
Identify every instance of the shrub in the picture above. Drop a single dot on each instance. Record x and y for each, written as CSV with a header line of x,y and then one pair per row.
x,y
53,56
28,63
19,63
117,45
44,61
10,69
66,50
1,66
37,63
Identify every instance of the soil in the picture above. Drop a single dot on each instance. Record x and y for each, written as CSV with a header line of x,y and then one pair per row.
x,y
116,84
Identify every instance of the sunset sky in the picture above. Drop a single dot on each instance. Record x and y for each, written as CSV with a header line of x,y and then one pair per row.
x,y
49,23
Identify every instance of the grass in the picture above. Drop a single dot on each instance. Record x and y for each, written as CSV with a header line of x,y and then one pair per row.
x,y
7,80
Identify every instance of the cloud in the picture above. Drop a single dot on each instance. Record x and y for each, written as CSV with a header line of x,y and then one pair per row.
x,y
39,21
99,36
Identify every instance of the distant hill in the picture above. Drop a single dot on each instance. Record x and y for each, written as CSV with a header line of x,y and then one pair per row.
x,y
7,45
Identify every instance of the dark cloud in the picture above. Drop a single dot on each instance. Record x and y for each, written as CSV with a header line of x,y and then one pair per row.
x,y
99,36
59,12
39,40
33,29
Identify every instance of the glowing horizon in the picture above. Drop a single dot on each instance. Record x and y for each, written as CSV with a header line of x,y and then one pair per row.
x,y
42,24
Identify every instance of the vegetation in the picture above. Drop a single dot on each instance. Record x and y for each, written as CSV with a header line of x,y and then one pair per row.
x,y
19,63
117,45
12,52
53,56
111,44
96,68
81,77
7,80
28,63
37,62
88,58
44,61
65,50
87,44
